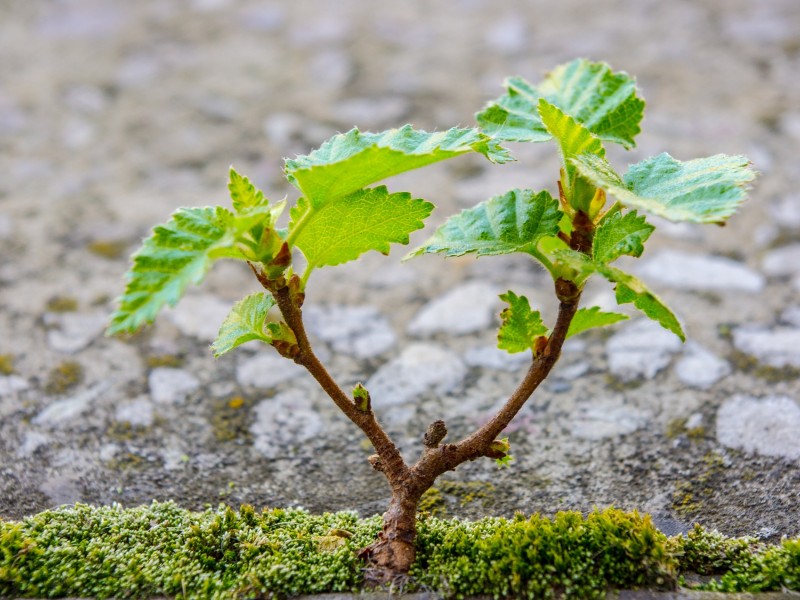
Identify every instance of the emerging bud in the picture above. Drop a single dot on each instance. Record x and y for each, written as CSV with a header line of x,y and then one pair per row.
x,y
361,398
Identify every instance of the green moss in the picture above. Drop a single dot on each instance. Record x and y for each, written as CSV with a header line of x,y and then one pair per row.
x,y
110,249
6,364
60,304
689,496
64,377
749,364
230,418
437,500
164,360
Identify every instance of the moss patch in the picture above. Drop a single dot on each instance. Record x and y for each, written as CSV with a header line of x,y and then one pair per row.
x,y
64,377
162,549
110,249
6,364
61,304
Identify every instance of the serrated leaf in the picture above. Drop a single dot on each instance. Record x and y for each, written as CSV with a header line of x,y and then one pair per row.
x,y
175,255
513,222
629,289
703,190
353,160
574,139
342,229
244,323
589,318
602,101
620,234
521,325
244,194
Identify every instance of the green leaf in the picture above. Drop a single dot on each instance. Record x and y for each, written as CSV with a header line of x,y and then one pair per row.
x,y
341,230
630,289
513,222
602,101
589,318
521,325
244,323
175,255
619,234
574,140
353,160
244,194
704,190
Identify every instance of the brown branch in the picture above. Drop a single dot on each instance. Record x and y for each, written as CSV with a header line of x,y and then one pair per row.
x,y
289,300
447,457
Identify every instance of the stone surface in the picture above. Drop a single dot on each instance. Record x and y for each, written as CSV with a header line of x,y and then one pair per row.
x,y
419,368
700,368
464,309
200,316
70,332
766,425
360,331
283,424
266,370
698,272
782,261
640,348
776,347
171,386
63,411
118,113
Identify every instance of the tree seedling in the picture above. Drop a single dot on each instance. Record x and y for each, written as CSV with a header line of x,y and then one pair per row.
x,y
341,214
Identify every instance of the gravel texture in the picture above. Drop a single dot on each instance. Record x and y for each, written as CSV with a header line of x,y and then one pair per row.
x,y
112,114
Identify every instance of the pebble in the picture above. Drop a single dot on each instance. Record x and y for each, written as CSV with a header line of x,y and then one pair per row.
x,y
786,211
200,316
11,384
263,18
418,369
360,331
331,69
686,271
171,386
605,420
767,425
777,347
73,331
641,348
32,441
700,368
6,227
464,309
137,412
266,370
282,424
782,261
85,99
791,315
63,411
492,357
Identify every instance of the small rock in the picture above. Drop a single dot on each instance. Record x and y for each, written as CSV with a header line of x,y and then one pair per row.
x,y
77,133
282,128
767,425
492,357
682,270
700,368
420,367
464,309
6,227
361,331
694,421
640,349
11,384
63,411
137,70
72,331
331,68
200,316
777,347
32,441
171,386
783,261
791,315
786,211
263,18
138,412
266,370
283,424
605,420
86,99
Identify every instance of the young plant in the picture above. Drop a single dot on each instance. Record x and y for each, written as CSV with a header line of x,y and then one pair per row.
x,y
339,216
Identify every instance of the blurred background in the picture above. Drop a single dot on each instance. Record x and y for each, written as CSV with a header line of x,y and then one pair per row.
x,y
113,113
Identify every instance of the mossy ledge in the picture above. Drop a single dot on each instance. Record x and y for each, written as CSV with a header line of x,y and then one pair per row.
x,y
162,549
